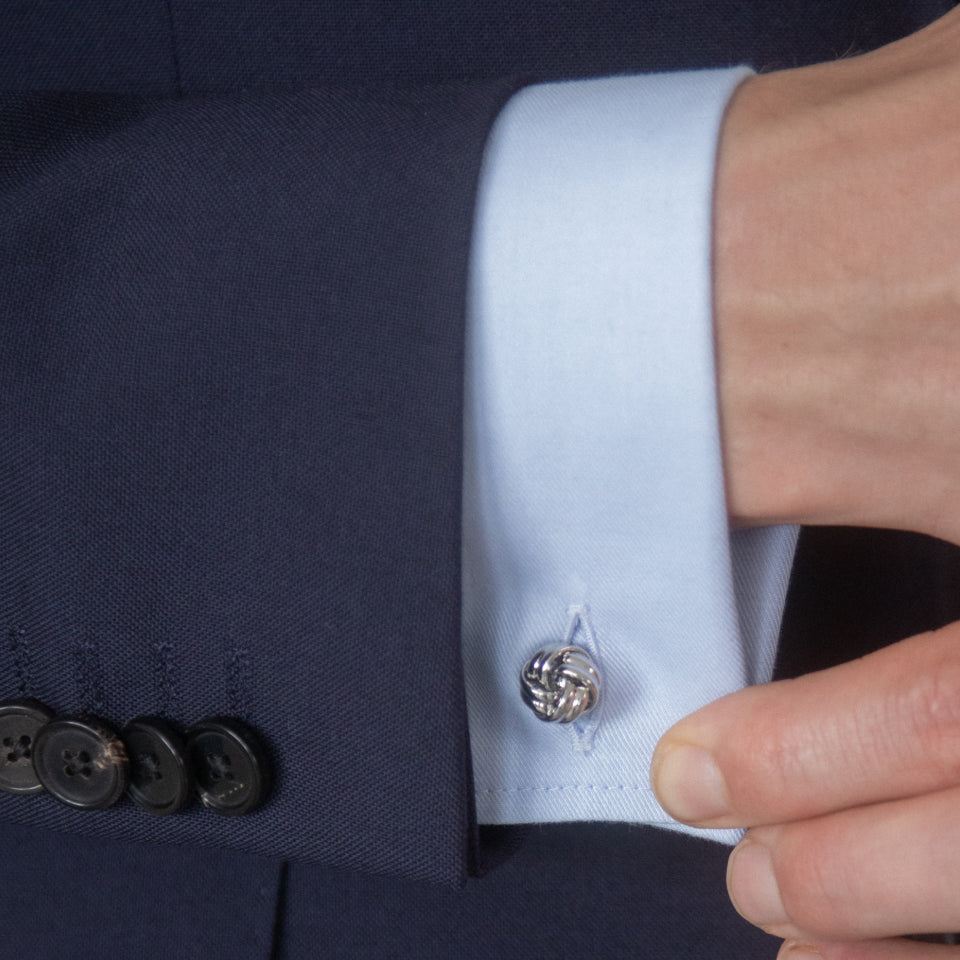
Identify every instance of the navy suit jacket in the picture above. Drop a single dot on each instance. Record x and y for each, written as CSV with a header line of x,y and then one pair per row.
x,y
234,239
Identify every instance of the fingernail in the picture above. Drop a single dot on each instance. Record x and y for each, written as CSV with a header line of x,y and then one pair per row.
x,y
753,886
689,785
793,950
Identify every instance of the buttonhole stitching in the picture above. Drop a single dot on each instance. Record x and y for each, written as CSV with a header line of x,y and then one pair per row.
x,y
580,633
20,658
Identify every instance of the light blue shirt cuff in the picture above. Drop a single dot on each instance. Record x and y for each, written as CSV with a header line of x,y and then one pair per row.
x,y
594,509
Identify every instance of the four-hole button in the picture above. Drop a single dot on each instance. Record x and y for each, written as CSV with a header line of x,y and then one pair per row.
x,y
228,765
20,721
81,762
160,781
84,764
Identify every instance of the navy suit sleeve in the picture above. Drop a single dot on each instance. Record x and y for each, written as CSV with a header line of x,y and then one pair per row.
x,y
231,416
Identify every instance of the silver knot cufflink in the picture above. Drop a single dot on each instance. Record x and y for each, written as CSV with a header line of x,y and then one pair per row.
x,y
560,685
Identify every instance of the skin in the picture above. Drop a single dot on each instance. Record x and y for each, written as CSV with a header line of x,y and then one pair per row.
x,y
837,303
837,289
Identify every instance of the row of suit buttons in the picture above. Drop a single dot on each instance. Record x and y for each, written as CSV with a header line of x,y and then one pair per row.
x,y
83,763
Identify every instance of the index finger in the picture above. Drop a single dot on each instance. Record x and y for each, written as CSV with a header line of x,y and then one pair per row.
x,y
880,728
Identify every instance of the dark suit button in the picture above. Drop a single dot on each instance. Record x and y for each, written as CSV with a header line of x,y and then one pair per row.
x,y
82,762
159,779
228,764
20,720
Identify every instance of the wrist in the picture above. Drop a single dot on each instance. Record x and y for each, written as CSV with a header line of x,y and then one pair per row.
x,y
757,353
837,293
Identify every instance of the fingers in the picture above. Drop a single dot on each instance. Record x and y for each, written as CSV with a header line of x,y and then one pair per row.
x,y
880,728
878,871
868,950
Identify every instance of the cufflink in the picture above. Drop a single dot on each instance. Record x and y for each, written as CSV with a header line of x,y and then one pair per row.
x,y
560,685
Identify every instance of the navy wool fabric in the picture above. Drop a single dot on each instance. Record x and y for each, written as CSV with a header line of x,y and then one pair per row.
x,y
567,891
234,240
72,898
231,434
171,47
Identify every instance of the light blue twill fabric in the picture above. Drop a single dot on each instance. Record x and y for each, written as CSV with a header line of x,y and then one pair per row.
x,y
593,494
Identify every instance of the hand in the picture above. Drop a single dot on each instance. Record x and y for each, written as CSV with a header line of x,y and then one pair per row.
x,y
837,304
850,781
837,289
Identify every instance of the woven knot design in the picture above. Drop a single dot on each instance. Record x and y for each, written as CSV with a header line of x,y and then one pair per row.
x,y
560,685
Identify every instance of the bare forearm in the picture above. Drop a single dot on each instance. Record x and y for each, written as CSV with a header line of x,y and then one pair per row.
x,y
837,290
